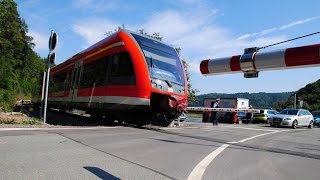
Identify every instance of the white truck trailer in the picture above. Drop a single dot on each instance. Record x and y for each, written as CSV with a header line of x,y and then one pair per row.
x,y
226,116
237,103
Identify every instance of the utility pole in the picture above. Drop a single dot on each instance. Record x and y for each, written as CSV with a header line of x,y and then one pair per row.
x,y
295,101
51,57
42,93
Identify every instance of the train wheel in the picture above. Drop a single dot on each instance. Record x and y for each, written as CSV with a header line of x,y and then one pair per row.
x,y
162,119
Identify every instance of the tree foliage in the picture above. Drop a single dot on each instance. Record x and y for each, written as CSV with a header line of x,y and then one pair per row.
x,y
19,64
310,95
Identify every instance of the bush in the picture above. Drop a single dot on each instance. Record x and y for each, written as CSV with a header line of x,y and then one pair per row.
x,y
6,101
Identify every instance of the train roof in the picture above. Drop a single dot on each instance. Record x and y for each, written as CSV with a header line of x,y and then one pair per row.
x,y
96,46
86,51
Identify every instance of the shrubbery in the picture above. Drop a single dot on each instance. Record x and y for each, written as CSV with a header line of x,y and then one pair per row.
x,y
20,66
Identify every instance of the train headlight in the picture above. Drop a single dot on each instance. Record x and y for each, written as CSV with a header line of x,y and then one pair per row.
x,y
154,85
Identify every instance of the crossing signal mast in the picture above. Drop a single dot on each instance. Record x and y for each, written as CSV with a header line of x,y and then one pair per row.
x,y
51,58
253,61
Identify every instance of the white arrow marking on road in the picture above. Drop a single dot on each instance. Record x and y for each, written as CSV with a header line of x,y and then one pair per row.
x,y
199,170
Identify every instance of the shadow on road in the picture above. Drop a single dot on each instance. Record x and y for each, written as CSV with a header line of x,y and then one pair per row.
x,y
55,117
100,173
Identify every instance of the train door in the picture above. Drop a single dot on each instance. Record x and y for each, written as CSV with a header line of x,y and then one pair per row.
x,y
76,75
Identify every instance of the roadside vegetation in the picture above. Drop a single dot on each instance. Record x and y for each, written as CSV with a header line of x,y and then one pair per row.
x,y
310,95
20,66
18,118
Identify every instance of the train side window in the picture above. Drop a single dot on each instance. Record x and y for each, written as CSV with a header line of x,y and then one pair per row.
x,y
57,82
94,73
67,82
115,65
122,71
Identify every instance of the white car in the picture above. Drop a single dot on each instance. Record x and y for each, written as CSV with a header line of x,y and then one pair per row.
x,y
182,117
292,118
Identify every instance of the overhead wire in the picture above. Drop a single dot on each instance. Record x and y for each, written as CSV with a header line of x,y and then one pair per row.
x,y
288,40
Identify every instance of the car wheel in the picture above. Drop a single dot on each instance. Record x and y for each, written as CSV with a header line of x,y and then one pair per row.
x,y
310,125
295,124
267,122
319,124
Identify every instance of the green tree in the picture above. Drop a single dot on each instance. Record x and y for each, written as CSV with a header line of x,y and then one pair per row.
x,y
19,64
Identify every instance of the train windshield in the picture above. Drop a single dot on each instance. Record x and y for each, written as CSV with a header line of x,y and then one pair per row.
x,y
163,61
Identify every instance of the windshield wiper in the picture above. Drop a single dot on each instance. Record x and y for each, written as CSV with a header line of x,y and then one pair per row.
x,y
151,62
168,82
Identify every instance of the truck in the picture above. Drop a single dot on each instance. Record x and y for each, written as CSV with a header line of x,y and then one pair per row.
x,y
234,103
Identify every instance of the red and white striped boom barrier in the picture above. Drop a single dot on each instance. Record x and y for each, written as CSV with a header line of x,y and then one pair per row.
x,y
252,61
203,109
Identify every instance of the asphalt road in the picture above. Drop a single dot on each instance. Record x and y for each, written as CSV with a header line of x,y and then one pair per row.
x,y
197,151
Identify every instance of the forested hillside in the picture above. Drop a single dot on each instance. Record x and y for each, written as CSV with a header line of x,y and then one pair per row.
x,y
20,66
257,100
310,95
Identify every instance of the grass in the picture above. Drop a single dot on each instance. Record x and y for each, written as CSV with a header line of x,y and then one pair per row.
x,y
32,121
26,121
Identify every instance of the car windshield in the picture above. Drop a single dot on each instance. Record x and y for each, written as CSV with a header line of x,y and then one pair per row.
x,y
271,112
163,60
289,111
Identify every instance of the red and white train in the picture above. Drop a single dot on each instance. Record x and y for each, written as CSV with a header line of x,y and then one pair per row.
x,y
126,76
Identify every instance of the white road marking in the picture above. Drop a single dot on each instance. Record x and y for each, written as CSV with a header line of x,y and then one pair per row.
x,y
249,138
74,128
255,129
198,171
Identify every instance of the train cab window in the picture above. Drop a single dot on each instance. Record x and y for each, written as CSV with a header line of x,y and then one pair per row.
x,y
122,71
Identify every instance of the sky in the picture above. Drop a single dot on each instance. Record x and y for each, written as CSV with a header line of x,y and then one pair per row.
x,y
203,29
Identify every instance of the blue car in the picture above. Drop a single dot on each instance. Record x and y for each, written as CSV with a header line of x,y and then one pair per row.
x,y
241,115
316,116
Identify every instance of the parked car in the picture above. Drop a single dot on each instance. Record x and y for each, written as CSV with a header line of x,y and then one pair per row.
x,y
316,117
264,115
182,117
292,118
241,115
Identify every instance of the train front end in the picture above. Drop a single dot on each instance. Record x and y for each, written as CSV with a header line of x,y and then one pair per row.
x,y
166,77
